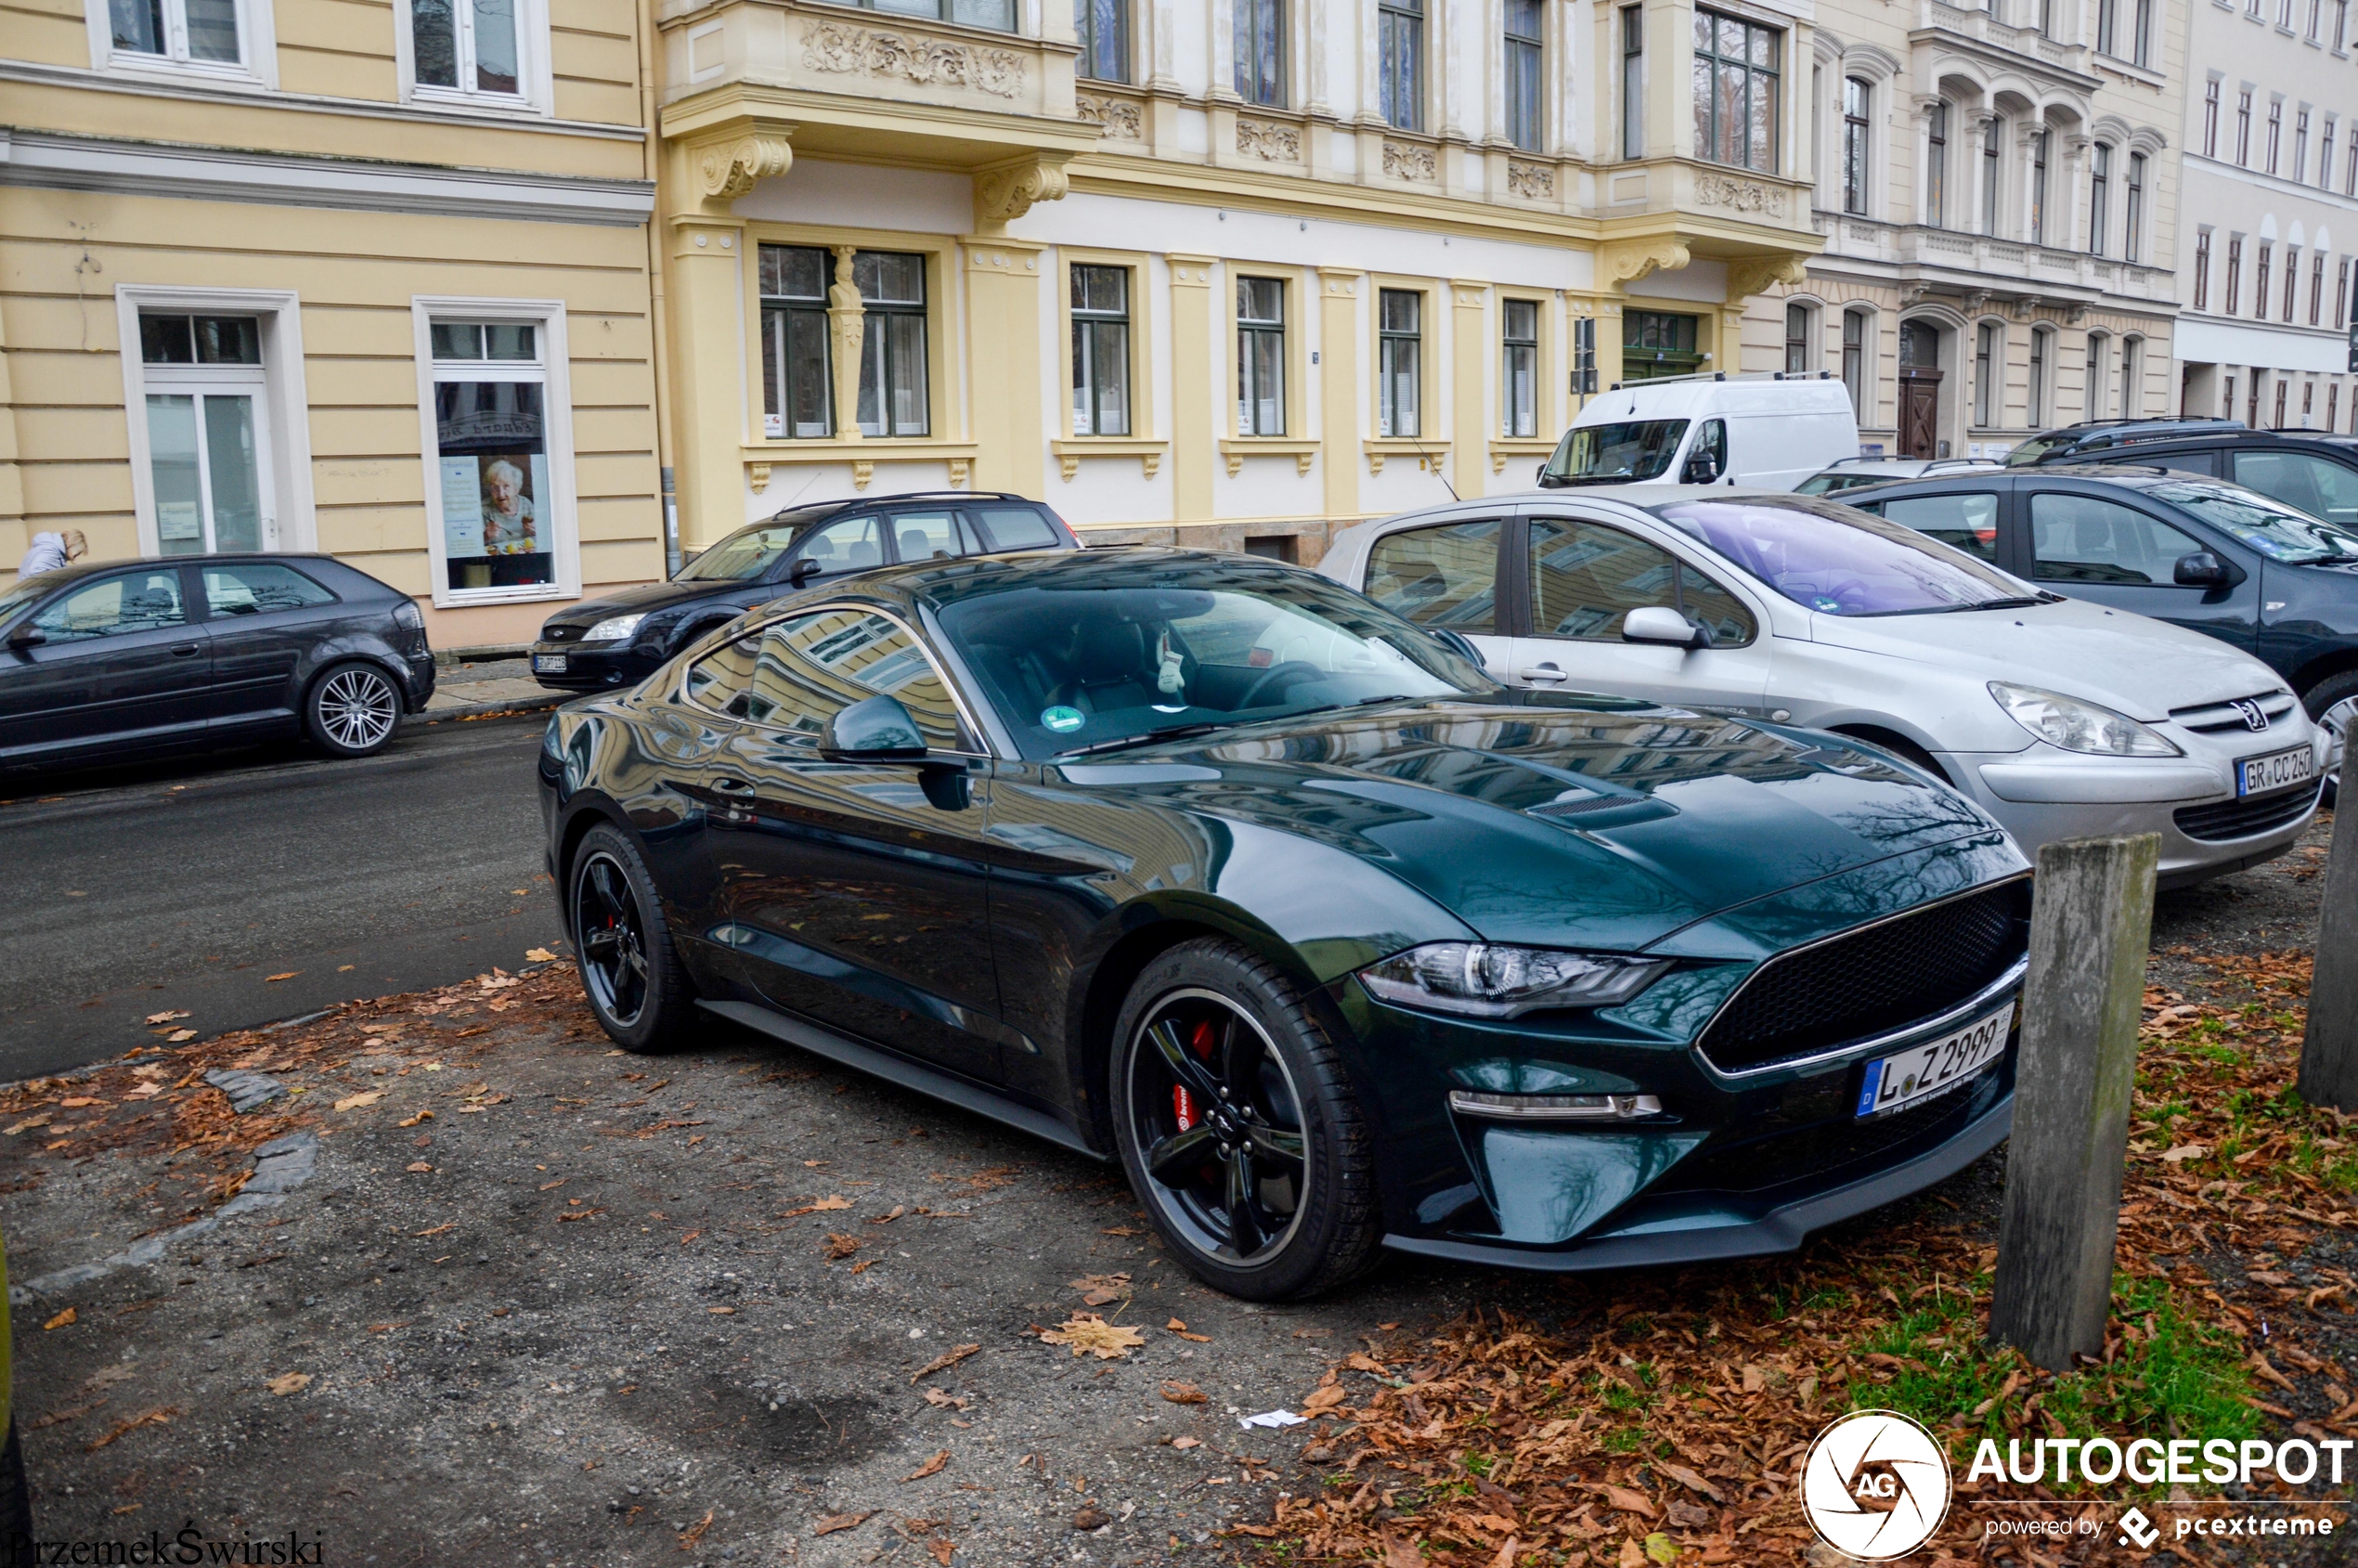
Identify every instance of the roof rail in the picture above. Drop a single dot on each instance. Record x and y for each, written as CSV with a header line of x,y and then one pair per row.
x,y
1725,376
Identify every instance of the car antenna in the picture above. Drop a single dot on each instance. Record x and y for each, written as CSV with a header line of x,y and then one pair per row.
x,y
1426,458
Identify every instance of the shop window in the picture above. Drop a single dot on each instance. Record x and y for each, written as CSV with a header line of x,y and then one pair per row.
x,y
1400,360
1100,350
491,428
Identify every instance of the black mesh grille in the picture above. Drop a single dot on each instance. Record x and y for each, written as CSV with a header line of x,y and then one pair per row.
x,y
1873,981
1826,1148
2242,819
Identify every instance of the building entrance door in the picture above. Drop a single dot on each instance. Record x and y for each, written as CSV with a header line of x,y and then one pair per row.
x,y
1919,389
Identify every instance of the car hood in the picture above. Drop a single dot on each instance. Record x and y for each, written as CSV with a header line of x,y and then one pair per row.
x,y
649,597
1567,826
2130,663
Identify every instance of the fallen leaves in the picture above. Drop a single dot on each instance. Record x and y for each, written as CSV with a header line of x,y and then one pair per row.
x,y
274,980
159,1416
947,1359
361,1101
941,1401
1090,1335
835,1521
418,1168
165,1017
62,1320
840,1246
1185,1393
539,955
931,1467
1180,1328
412,1121
1099,1290
825,1205
180,1036
689,1536
1325,1398
288,1383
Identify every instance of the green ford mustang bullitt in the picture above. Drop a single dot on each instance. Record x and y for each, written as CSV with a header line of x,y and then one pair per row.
x,y
1209,866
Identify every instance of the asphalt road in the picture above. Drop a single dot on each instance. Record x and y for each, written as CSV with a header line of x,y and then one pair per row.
x,y
187,885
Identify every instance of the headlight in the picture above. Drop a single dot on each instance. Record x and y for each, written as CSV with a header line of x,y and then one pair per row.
x,y
2073,725
1485,982
613,629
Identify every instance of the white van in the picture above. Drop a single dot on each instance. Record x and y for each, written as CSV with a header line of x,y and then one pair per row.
x,y
1765,431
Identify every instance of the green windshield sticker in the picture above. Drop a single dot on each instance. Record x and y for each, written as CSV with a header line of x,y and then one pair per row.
x,y
1062,718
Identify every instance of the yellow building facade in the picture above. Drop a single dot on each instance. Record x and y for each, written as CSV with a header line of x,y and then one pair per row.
x,y
366,279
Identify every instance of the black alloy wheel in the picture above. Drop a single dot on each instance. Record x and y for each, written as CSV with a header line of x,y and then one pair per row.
x,y
353,710
1236,1128
629,967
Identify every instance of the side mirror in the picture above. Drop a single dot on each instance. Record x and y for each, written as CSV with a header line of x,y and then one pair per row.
x,y
801,572
2204,569
1660,623
27,636
874,729
1702,468
1539,474
1456,642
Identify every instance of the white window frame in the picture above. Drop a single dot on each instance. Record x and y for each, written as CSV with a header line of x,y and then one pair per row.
x,y
284,402
556,370
536,88
257,65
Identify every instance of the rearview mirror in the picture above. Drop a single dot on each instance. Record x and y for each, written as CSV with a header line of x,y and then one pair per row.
x,y
875,729
2203,569
1660,623
27,636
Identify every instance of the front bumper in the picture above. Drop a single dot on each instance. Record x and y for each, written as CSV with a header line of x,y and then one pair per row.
x,y
594,667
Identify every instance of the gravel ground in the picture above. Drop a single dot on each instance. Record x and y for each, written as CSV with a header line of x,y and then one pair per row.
x,y
600,1309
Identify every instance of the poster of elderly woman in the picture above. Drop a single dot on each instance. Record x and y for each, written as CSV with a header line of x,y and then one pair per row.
x,y
507,515
492,520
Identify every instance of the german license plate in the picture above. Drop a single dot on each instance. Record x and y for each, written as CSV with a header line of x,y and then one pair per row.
x,y
548,664
2278,769
1937,1066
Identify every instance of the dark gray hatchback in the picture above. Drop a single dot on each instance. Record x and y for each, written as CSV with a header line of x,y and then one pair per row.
x,y
107,662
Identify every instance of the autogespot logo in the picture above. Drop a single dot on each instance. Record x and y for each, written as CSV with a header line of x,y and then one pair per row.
x,y
1875,1486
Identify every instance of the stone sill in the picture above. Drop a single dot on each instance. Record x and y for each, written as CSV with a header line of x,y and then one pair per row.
x,y
1071,450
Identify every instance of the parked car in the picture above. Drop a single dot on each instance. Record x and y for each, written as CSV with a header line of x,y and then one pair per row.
x,y
1858,474
1762,431
1207,864
121,659
2268,578
2310,471
621,638
2059,717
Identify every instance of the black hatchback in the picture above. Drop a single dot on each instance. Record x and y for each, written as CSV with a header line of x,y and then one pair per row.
x,y
2214,557
99,663
2310,471
622,638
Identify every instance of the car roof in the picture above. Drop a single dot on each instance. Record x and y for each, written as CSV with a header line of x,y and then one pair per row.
x,y
938,584
813,510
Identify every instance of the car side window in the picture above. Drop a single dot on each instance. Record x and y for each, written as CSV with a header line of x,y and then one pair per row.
x,y
931,535
1446,575
2317,486
1586,578
719,679
2078,538
115,608
848,544
1707,459
1967,522
1711,606
1015,527
797,674
2187,462
256,588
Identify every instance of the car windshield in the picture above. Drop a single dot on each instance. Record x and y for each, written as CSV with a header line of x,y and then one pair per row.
x,y
1126,652
2275,530
1827,483
1839,560
2029,452
743,557
24,591
1616,454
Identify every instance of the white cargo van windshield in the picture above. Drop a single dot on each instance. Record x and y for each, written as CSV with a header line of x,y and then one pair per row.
x,y
1616,454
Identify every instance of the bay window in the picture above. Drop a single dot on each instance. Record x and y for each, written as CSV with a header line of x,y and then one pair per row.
x,y
1736,84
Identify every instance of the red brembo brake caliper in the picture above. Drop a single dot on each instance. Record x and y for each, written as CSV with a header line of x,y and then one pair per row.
x,y
1183,1104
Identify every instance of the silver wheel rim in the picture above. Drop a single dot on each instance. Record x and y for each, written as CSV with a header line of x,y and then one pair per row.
x,y
2335,721
1258,1143
358,708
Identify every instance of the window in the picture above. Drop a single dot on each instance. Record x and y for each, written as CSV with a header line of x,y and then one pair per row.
x,y
2039,187
2035,389
1658,343
2107,27
2141,42
1399,340
2316,486
2133,244
1856,128
1261,356
2349,164
2316,18
2325,155
2093,386
1103,28
1967,522
801,672
1633,81
1583,356
2132,375
1937,164
2227,397
2276,132
1985,372
1797,339
206,432
796,380
1735,87
2333,403
1100,350
1526,102
2282,387
893,397
1992,166
2202,271
2243,128
1519,367
204,33
2087,539
2308,402
2260,283
256,588
1586,578
1854,360
2210,118
996,14
1260,52
2228,295
2300,146
2099,181
1399,52
2292,280
2341,295
468,48
1445,577
116,606
2317,289
493,478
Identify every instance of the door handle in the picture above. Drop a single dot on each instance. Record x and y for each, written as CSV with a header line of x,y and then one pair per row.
x,y
182,650
724,784
1546,674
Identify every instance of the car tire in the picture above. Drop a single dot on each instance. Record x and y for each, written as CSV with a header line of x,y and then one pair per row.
x,y
2333,703
630,971
352,709
16,1503
1262,1077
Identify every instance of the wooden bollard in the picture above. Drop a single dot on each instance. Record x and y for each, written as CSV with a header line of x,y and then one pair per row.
x,y
2090,922
2329,1051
